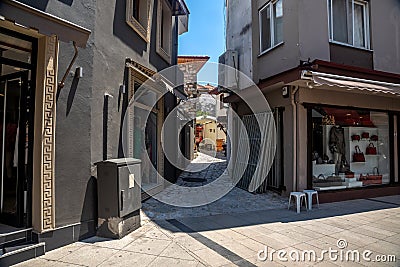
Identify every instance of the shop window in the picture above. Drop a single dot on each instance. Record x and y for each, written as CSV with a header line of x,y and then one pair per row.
x,y
350,148
349,22
164,30
138,17
271,25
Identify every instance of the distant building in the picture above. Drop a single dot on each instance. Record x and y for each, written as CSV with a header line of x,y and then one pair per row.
x,y
190,67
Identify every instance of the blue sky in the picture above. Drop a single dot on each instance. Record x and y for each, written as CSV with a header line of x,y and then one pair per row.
x,y
206,29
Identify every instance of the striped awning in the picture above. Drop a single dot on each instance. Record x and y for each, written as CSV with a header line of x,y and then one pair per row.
x,y
351,83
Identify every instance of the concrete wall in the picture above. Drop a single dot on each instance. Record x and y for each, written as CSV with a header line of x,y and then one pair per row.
x,y
282,57
209,132
306,36
313,34
75,191
239,33
386,43
114,42
81,106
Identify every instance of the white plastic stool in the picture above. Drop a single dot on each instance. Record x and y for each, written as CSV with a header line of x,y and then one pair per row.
x,y
299,196
310,194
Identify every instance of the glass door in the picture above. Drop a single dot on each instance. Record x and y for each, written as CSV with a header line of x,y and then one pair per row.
x,y
14,143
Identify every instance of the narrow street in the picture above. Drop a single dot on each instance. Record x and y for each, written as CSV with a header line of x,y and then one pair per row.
x,y
236,201
233,230
205,133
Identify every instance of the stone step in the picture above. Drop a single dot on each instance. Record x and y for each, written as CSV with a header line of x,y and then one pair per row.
x,y
16,254
15,237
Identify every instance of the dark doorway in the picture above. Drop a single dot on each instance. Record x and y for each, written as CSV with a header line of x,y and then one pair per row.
x,y
13,142
17,80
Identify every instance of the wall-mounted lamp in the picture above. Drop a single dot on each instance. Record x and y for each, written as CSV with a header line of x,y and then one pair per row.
x,y
285,91
122,88
79,72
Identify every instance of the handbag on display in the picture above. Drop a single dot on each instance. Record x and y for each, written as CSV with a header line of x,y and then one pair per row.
x,y
355,137
365,135
374,138
371,150
358,156
375,176
349,174
344,166
371,179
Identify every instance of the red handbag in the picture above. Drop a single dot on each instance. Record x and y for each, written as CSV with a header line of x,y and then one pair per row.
x,y
371,150
355,137
358,156
371,179
375,176
374,138
365,135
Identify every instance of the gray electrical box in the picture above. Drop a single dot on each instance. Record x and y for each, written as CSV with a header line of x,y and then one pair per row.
x,y
119,197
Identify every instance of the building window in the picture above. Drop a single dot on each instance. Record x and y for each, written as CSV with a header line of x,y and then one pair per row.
x,y
349,22
164,30
138,17
271,25
349,148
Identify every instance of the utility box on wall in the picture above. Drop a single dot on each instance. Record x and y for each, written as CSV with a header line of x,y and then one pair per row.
x,y
119,197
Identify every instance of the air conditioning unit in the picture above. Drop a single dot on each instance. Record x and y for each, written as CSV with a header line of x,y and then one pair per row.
x,y
228,77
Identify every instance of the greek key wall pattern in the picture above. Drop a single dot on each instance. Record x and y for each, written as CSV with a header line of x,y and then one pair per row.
x,y
48,130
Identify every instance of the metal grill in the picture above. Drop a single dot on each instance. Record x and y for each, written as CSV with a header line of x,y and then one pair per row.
x,y
252,133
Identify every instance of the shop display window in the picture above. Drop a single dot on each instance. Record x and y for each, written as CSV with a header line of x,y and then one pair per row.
x,y
350,148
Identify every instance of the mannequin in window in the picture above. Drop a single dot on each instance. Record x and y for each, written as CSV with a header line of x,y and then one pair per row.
x,y
337,146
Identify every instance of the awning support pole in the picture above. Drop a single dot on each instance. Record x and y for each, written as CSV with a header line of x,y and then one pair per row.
x,y
61,84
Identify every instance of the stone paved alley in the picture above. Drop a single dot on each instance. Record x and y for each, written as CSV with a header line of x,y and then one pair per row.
x,y
236,201
232,231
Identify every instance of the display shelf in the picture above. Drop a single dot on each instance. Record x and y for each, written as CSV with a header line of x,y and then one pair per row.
x,y
325,169
371,161
363,140
330,188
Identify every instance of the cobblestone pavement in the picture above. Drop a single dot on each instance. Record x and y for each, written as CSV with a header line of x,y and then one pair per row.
x,y
233,230
236,239
235,201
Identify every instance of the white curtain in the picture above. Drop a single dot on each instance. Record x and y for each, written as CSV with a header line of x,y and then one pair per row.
x,y
359,38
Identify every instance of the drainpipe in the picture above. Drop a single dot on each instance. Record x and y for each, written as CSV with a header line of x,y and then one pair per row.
x,y
294,109
62,83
